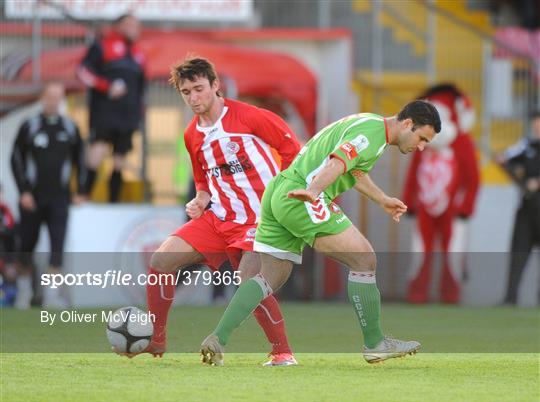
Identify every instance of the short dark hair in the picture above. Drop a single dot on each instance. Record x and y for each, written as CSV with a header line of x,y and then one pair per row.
x,y
422,113
535,114
190,69
122,17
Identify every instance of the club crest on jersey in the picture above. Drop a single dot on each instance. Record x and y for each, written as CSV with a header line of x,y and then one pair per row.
x,y
41,140
318,211
349,150
232,147
251,232
119,48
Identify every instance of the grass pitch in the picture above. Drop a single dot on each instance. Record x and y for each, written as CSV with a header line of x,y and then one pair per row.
x,y
469,355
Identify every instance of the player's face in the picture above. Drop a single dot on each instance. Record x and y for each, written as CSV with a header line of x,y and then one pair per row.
x,y
412,139
52,99
130,28
199,95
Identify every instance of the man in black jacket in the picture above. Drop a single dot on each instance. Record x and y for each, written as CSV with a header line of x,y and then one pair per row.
x,y
113,71
47,148
522,162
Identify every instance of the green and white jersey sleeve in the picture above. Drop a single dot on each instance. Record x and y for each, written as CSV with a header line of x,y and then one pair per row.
x,y
362,143
357,140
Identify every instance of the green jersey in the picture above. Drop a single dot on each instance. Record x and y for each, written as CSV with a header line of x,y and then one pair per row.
x,y
357,140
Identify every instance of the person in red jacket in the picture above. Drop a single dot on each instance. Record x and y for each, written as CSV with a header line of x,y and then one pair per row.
x,y
440,189
113,69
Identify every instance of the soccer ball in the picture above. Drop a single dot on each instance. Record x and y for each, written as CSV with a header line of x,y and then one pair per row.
x,y
130,330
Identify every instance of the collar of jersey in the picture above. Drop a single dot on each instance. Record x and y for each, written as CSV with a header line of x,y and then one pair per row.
x,y
206,130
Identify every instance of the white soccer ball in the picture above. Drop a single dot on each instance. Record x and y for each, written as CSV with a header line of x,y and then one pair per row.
x,y
130,330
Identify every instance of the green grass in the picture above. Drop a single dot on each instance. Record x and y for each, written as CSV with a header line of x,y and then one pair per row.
x,y
482,355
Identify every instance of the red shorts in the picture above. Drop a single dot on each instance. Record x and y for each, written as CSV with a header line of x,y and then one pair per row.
x,y
216,240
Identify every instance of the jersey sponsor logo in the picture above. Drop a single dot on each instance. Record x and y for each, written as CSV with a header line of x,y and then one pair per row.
x,y
232,147
240,165
342,219
360,143
349,150
41,140
318,211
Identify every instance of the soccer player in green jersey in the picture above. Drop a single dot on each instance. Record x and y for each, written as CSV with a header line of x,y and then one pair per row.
x,y
297,209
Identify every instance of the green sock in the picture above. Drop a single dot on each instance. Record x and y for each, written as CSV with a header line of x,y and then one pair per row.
x,y
366,300
245,300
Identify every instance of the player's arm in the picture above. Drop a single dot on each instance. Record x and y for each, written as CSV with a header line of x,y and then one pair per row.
x,y
342,160
273,130
366,186
203,198
18,166
87,71
512,162
195,208
18,160
328,175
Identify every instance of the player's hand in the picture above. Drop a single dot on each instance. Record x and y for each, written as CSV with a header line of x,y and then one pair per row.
x,y
532,185
79,199
27,201
393,207
302,195
195,208
117,89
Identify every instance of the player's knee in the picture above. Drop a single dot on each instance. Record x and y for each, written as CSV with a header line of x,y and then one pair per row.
x,y
161,262
366,261
370,262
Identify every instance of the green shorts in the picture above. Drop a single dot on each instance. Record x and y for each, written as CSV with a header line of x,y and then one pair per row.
x,y
287,225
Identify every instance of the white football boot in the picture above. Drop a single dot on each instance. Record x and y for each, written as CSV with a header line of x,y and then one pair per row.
x,y
390,348
212,351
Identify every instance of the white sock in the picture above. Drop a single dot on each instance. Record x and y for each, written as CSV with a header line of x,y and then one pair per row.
x,y
24,292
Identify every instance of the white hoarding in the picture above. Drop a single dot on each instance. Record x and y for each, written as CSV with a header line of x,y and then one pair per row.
x,y
178,10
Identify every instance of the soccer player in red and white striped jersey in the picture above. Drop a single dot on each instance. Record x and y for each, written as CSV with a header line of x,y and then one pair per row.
x,y
232,146
232,159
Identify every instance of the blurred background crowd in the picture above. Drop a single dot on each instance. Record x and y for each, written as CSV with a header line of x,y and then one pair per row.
x,y
92,135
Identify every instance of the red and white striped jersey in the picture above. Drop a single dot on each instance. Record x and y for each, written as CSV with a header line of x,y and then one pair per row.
x,y
233,160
